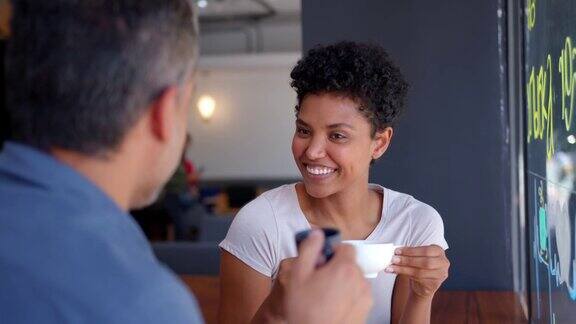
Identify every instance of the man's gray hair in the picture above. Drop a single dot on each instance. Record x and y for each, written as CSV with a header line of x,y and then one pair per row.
x,y
81,72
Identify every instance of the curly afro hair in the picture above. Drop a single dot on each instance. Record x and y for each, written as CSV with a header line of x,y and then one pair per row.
x,y
361,72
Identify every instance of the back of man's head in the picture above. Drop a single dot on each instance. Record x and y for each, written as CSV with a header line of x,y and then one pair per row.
x,y
81,72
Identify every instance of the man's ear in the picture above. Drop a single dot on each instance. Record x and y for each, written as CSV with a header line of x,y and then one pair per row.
x,y
381,142
163,113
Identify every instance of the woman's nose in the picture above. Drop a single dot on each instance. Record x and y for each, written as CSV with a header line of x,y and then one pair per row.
x,y
316,149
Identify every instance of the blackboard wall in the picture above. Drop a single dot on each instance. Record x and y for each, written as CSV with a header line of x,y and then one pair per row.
x,y
451,148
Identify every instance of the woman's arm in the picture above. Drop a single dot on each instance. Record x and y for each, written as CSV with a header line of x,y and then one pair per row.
x,y
399,298
407,307
242,290
421,271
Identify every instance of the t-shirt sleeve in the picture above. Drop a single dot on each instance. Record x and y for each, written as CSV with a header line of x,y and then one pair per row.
x,y
253,236
427,227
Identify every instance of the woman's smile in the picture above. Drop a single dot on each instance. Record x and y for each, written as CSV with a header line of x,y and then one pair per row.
x,y
319,172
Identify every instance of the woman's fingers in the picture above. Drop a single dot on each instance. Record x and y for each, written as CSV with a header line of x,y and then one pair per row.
x,y
422,251
430,263
424,262
418,273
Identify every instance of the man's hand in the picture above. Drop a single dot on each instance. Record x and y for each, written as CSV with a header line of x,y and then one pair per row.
x,y
333,293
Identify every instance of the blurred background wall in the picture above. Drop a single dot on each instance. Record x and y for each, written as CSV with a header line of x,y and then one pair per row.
x,y
249,136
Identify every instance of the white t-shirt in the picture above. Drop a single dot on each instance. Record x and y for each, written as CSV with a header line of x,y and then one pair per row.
x,y
262,234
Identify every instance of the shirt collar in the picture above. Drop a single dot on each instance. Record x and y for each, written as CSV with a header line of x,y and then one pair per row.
x,y
41,169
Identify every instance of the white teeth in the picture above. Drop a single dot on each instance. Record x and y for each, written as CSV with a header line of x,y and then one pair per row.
x,y
319,170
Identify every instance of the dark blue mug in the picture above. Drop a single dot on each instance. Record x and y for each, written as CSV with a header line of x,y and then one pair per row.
x,y
331,239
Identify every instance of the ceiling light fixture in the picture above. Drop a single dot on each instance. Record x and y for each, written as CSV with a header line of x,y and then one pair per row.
x,y
202,3
206,107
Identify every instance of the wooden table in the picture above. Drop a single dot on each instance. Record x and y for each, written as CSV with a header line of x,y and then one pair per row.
x,y
207,292
473,307
449,307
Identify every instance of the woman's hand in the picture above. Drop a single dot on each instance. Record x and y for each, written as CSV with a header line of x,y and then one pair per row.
x,y
425,266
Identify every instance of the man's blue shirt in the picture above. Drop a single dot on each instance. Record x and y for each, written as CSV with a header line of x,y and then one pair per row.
x,y
69,254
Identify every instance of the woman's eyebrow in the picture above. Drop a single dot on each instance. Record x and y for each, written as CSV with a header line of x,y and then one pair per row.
x,y
332,126
301,122
341,125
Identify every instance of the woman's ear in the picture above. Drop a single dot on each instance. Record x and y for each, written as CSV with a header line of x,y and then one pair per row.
x,y
381,142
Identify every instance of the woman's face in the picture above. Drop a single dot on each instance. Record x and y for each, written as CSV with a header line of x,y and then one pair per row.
x,y
333,146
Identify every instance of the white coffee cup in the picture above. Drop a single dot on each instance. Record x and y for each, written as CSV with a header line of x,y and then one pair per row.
x,y
372,257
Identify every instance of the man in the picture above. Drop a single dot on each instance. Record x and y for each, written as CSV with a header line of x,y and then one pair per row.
x,y
98,100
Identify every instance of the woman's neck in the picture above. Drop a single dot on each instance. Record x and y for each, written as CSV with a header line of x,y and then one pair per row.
x,y
355,212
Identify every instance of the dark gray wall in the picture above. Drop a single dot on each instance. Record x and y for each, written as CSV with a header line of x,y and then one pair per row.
x,y
450,148
4,126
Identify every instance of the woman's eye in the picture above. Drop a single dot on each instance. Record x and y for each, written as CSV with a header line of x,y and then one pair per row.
x,y
302,131
338,136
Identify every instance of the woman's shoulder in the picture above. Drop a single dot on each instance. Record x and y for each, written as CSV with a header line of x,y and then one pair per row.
x,y
270,200
423,223
254,236
265,209
399,204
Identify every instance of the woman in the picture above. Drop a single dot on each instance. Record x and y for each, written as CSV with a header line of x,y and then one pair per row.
x,y
349,98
